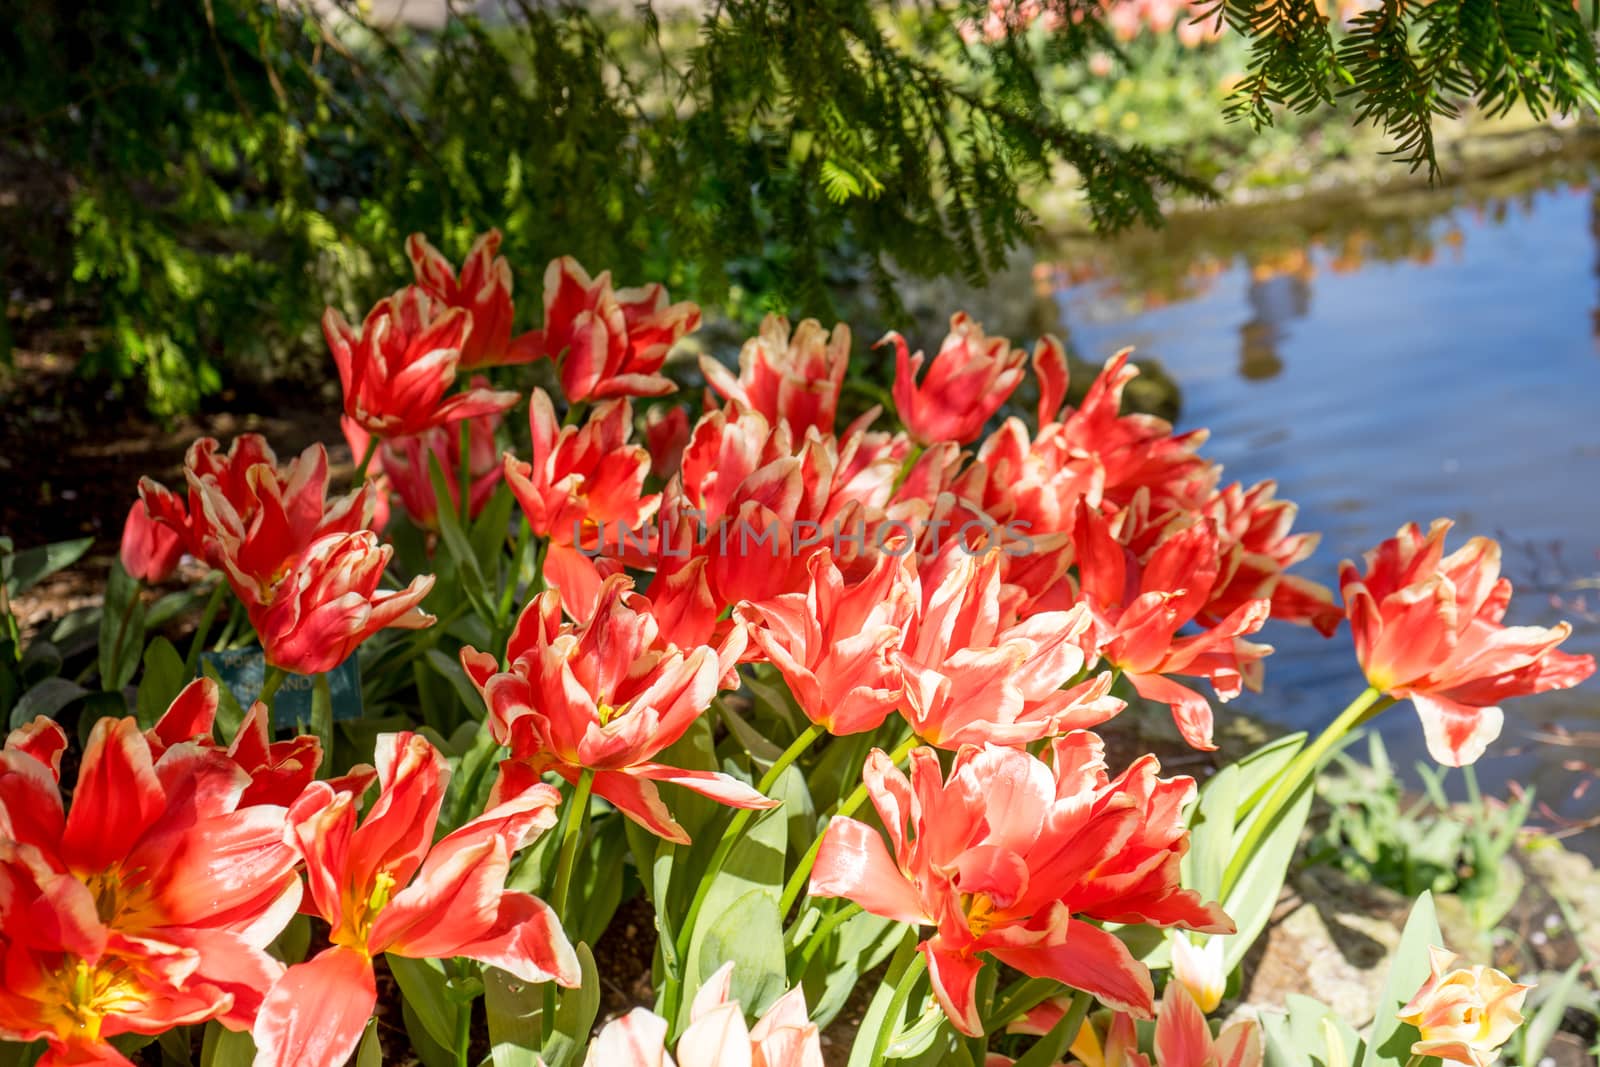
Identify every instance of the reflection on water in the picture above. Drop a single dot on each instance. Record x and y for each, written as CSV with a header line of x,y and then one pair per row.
x,y
1388,360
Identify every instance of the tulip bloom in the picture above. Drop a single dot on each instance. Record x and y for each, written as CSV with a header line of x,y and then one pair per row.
x,y
583,491
1003,854
1182,1037
666,434
397,369
328,602
835,643
975,676
1257,549
483,290
787,379
605,697
157,856
1428,627
243,506
1199,969
1463,1015
609,342
74,983
279,770
716,1035
1139,611
385,886
150,549
968,381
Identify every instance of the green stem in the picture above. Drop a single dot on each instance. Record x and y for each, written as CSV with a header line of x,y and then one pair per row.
x,y
197,645
907,981
270,682
1019,1000
797,881
464,1034
577,817
1302,768
366,460
736,826
1065,1031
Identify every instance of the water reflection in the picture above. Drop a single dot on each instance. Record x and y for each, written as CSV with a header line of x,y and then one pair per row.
x,y
1392,358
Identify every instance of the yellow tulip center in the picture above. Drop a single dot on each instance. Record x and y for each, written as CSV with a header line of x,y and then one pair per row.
x,y
76,999
357,928
607,712
122,902
981,914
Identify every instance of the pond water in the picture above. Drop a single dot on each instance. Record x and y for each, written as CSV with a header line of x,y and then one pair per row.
x,y
1439,359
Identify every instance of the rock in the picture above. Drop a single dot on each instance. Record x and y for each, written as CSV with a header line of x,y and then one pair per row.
x,y
1572,879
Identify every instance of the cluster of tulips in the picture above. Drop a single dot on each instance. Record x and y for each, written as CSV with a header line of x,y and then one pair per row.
x,y
739,624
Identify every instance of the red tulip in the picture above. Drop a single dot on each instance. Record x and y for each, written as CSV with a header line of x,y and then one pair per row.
x,y
386,886
1139,610
835,644
1257,548
150,549
160,883
243,506
397,369
584,493
787,379
605,696
609,342
73,982
666,434
1001,856
1428,627
327,602
279,770
483,290
968,380
975,675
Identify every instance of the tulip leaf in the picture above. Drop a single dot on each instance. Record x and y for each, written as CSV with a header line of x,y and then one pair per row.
x,y
322,720
1253,897
164,678
515,1012
492,527
861,943
370,1052
49,698
1547,1020
1391,1040
575,1014
222,1047
21,571
425,987
456,543
121,630
230,716
749,932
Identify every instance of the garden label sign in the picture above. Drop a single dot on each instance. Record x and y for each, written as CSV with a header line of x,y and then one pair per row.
x,y
244,670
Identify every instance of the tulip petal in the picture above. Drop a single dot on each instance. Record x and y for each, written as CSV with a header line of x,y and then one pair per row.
x,y
854,863
316,1012
954,977
1457,734
1092,960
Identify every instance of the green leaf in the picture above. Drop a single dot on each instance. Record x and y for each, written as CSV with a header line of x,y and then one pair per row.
x,y
575,1014
456,544
121,630
164,678
1391,1040
370,1052
423,984
749,933
1547,1020
21,571
322,719
230,716
1252,899
225,1048
49,698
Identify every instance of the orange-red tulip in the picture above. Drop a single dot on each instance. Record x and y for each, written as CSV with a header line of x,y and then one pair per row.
x,y
483,290
610,342
835,643
605,696
1428,627
161,888
1182,1036
1140,609
1004,854
1256,550
969,379
150,549
397,369
794,379
974,674
401,465
584,493
386,886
